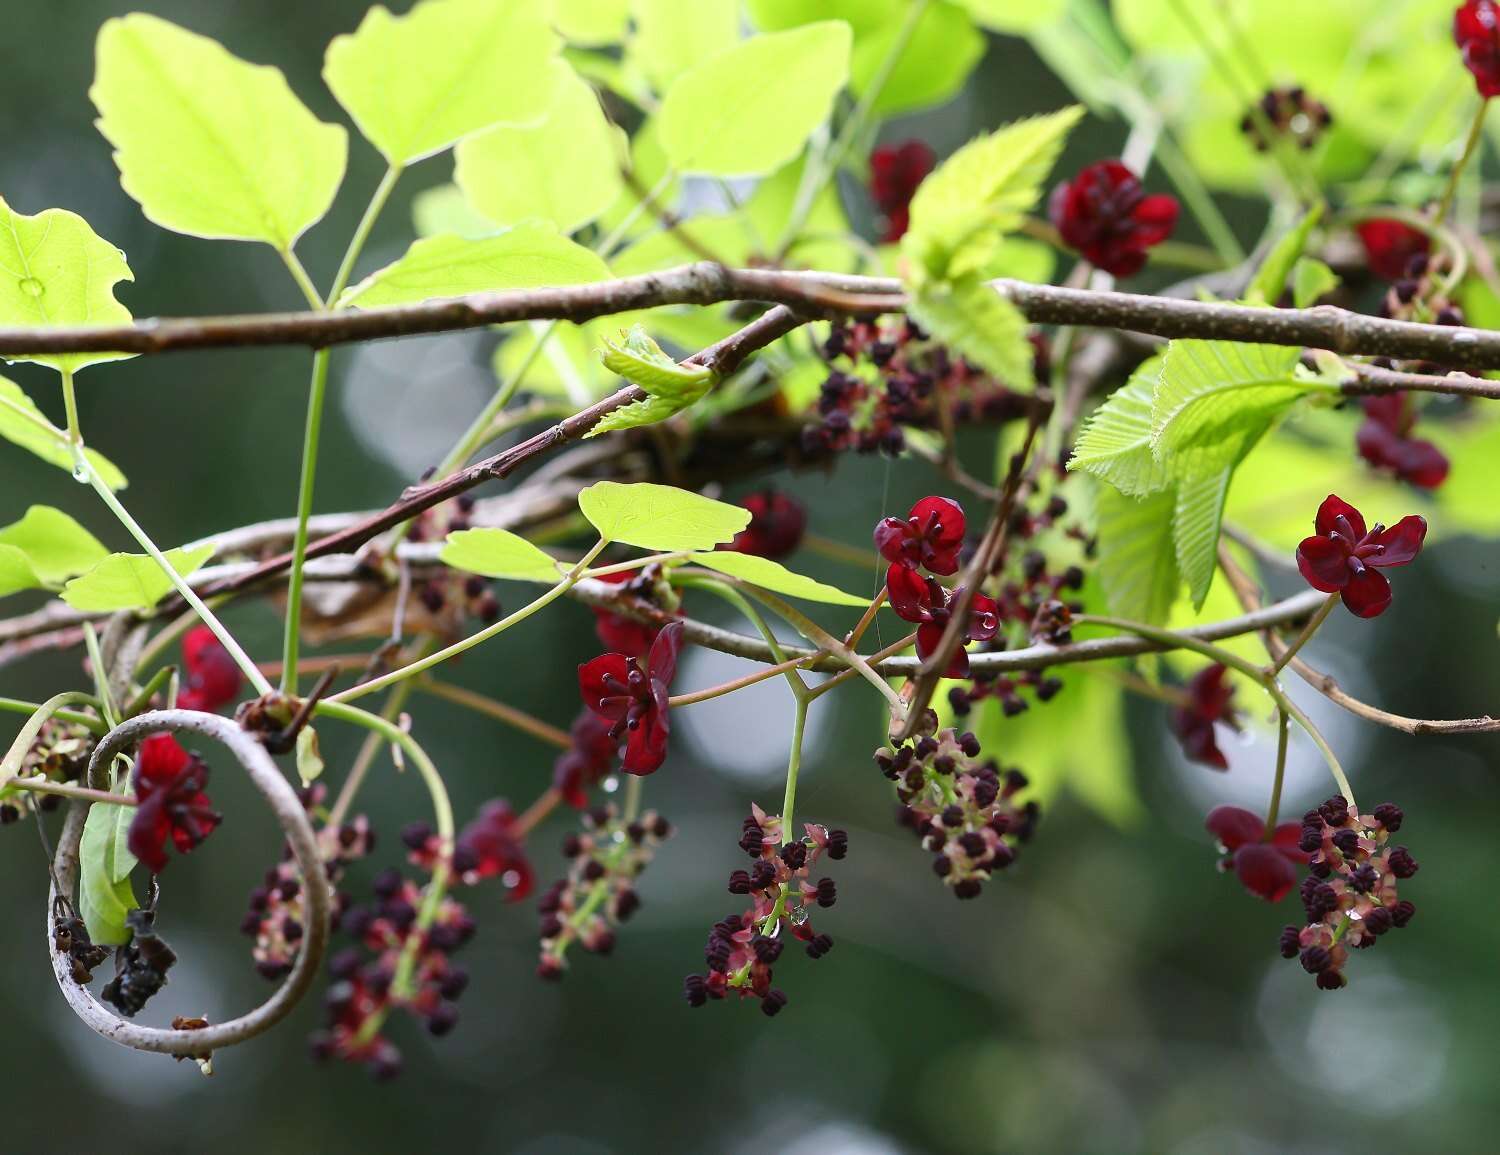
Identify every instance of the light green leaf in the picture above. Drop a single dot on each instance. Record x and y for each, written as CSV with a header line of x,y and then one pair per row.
x,y
1196,522
1216,398
104,865
444,209
1015,15
773,576
415,84
940,53
209,145
671,37
594,22
130,581
1270,279
646,411
23,424
969,316
1115,443
565,169
749,109
16,572
660,517
983,188
526,257
55,270
1137,566
1312,280
498,553
56,547
309,757
640,359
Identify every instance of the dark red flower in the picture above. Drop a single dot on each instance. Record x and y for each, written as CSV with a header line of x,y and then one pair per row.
x,y
1344,558
490,847
584,764
635,700
777,522
1390,246
621,634
169,802
895,174
931,536
213,678
929,604
1385,441
1105,215
1476,30
1267,869
1210,700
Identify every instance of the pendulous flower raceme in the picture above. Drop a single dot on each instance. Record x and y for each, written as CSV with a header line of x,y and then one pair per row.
x,y
743,949
1344,557
1106,216
1290,114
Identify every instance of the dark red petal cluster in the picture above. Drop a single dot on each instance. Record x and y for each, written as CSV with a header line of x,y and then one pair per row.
x,y
1268,870
929,605
212,678
491,847
588,761
1476,30
1104,214
1210,699
930,537
634,700
1385,441
1390,246
1345,558
895,173
777,522
170,802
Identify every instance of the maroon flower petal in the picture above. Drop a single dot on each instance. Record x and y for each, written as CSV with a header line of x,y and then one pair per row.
x,y
646,745
984,618
1420,463
599,696
940,522
930,638
1324,562
1401,543
1286,837
1328,514
1155,218
1368,593
663,661
1234,826
1390,245
908,594
1265,872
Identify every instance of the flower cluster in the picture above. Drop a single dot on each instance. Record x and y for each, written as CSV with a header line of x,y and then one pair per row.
x,y
140,967
777,523
492,845
449,595
1105,215
211,678
743,949
634,700
1264,861
1291,114
60,753
895,174
1350,893
1385,441
886,375
592,756
1209,701
1476,30
1344,557
277,917
170,802
598,893
964,810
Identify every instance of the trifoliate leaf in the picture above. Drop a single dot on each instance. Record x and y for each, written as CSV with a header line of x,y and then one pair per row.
x,y
55,546
23,424
970,317
55,270
415,84
498,553
773,576
130,581
660,517
208,144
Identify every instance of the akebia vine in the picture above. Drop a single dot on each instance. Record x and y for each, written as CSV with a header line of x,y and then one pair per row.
x,y
747,349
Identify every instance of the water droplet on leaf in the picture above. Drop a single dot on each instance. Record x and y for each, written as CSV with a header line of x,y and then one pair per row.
x,y
32,287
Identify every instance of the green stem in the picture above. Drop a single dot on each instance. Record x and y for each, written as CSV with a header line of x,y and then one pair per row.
x,y
362,233
304,282
395,702
101,675
70,405
310,438
11,765
484,635
1307,632
179,583
1274,810
72,717
149,690
68,790
738,600
632,809
793,765
1471,145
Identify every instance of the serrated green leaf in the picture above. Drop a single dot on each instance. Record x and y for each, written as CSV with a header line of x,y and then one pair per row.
x,y
498,553
1270,279
526,257
660,517
415,84
671,37
514,173
640,359
749,109
1115,443
1196,520
130,581
1215,398
593,22
104,864
970,317
208,144
646,411
983,188
55,545
23,424
16,572
1137,565
309,756
55,270
773,576
1312,280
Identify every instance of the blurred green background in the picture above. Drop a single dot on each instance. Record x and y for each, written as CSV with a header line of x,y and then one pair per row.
x,y
1114,994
